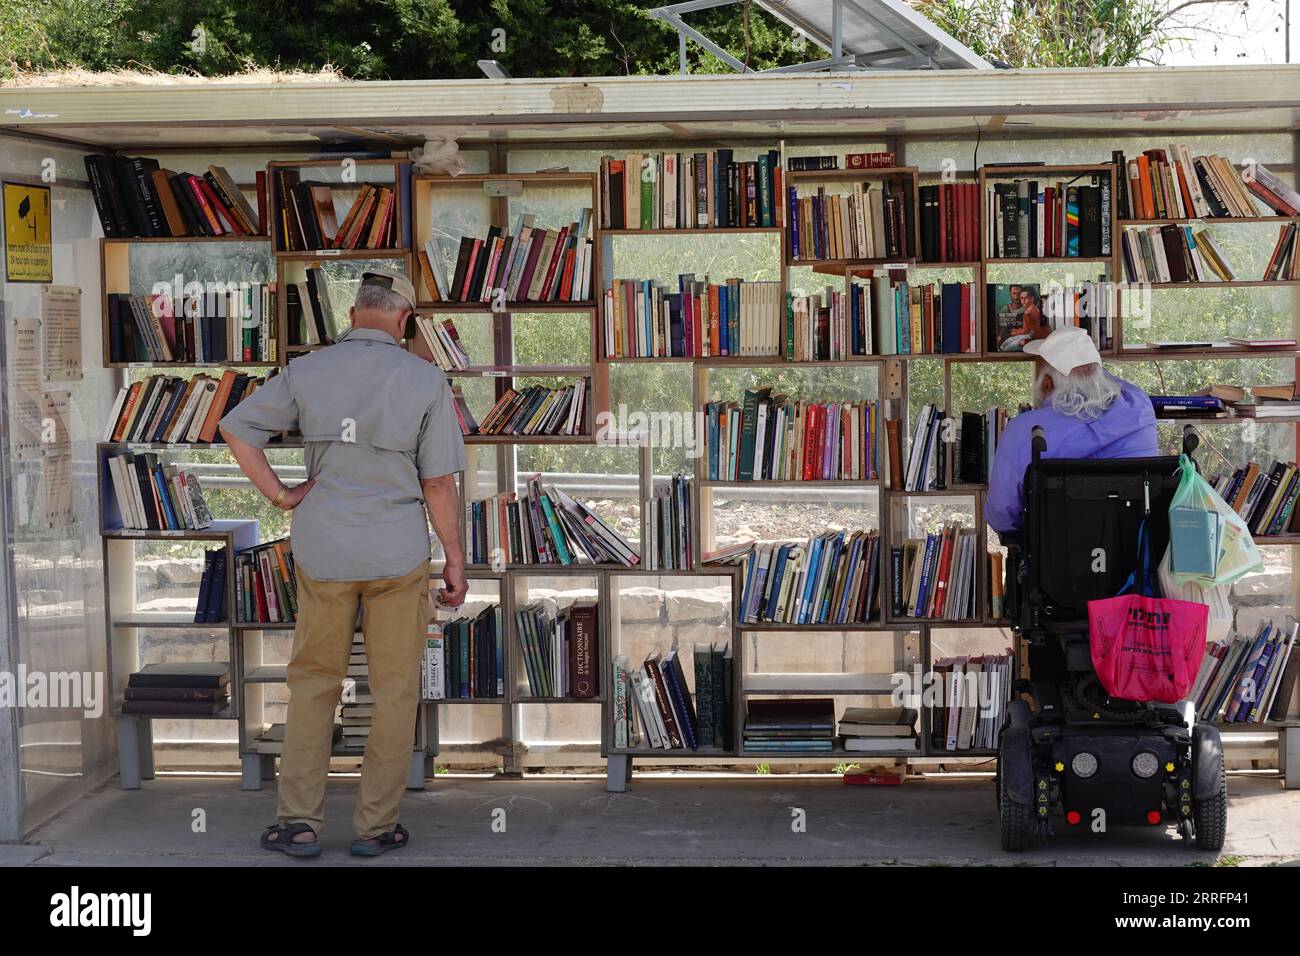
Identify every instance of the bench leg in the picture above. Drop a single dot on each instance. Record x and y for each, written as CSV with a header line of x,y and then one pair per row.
x,y
618,773
144,730
415,775
128,753
250,772
1288,756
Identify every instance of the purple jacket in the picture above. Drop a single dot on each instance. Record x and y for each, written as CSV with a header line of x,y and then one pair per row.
x,y
1126,430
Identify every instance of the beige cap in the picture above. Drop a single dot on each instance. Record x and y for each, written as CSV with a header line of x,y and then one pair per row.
x,y
1065,349
393,282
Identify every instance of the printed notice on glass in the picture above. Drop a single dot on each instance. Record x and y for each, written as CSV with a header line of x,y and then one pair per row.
x,y
56,502
61,332
25,397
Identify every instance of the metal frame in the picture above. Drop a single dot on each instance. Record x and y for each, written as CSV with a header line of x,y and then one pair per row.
x,y
905,53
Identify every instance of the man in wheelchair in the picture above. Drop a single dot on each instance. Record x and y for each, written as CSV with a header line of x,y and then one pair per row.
x,y
1072,527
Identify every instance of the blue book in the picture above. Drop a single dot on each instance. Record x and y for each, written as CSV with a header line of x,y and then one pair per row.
x,y
216,609
836,546
751,566
855,343
841,612
1194,541
777,573
923,591
805,595
724,321
205,585
160,483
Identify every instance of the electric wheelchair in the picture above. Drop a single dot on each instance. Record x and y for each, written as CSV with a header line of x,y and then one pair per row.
x,y
1078,752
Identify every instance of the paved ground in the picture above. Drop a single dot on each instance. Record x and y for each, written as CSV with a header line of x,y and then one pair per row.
x,y
663,819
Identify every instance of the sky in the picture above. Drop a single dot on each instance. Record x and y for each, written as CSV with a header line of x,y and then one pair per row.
x,y
1235,32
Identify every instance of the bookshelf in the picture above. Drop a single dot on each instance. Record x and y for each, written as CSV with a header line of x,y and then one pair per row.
x,y
493,200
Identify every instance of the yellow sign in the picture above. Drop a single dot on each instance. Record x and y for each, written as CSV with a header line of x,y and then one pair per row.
x,y
28,251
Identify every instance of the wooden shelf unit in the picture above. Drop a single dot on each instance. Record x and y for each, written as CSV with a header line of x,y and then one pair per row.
x,y
252,674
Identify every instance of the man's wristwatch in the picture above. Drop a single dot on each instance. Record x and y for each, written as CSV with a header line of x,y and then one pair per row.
x,y
278,500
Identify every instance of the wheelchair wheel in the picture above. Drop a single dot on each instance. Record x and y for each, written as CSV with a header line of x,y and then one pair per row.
x,y
1015,820
1211,813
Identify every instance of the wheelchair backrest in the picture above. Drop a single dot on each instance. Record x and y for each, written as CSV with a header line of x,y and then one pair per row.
x,y
1082,519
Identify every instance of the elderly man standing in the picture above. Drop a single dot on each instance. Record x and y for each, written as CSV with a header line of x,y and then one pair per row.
x,y
382,447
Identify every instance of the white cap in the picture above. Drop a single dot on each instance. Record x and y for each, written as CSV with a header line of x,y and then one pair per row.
x,y
1065,349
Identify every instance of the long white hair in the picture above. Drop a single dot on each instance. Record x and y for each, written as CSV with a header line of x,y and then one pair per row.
x,y
1085,393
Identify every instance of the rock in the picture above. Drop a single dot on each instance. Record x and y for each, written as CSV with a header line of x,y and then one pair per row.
x,y
698,604
640,603
1265,588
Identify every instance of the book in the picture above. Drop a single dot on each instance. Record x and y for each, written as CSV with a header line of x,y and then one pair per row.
x,y
878,722
643,318
868,220
669,190
830,579
798,441
186,675
135,198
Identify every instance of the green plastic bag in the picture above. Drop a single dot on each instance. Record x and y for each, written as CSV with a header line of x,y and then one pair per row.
x,y
1237,554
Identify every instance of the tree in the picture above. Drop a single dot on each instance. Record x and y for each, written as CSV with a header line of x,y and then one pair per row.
x,y
1066,33
378,39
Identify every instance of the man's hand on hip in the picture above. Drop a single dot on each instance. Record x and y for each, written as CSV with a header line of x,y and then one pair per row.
x,y
293,496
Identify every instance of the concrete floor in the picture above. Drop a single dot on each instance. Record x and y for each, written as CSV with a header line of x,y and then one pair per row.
x,y
664,818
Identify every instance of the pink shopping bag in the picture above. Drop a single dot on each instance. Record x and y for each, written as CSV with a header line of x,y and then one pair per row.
x,y
1146,648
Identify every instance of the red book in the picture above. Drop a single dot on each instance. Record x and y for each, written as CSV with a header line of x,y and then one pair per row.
x,y
259,595
474,252
687,308
942,237
965,318
584,650
811,415
544,294
200,197
863,778
939,592
231,221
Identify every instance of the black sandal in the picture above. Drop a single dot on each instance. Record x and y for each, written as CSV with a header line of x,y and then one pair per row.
x,y
375,845
281,838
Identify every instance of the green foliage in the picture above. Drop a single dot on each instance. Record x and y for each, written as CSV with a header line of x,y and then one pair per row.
x,y
1058,33
380,39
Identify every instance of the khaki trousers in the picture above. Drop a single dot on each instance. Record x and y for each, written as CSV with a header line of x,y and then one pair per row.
x,y
396,615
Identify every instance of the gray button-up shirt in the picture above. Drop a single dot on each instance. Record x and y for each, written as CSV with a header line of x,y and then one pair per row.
x,y
374,421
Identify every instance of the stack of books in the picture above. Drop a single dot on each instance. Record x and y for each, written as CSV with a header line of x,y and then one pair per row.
x,y
879,730
152,496
560,649
830,579
211,605
1264,497
1248,679
690,191
1267,401
929,318
531,264
1171,184
308,219
135,198
443,342
643,318
977,443
877,160
1284,263
942,455
545,526
176,410
653,706
313,318
178,690
773,438
533,410
266,590
433,665
473,661
669,546
1189,407
1018,312
950,222
791,725
1031,219
934,577
874,220
1174,253
230,322
973,694
357,708
833,326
